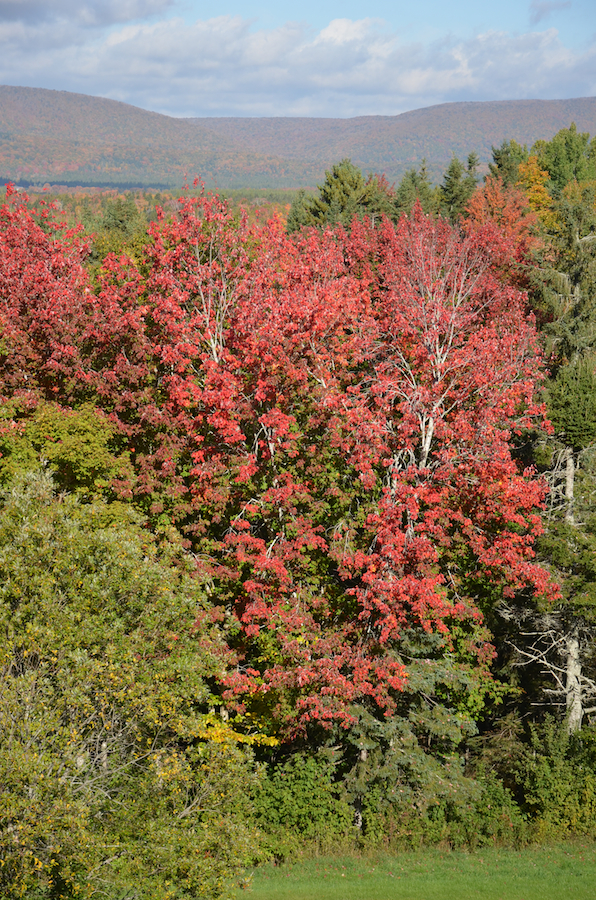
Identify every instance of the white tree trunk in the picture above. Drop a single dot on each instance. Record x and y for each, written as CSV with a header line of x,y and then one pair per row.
x,y
569,485
573,688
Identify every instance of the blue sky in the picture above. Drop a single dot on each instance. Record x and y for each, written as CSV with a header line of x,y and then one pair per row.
x,y
202,58
427,20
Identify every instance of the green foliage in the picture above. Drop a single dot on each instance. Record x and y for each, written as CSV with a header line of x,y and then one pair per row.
x,y
413,756
572,405
79,446
557,774
506,161
300,805
491,817
344,195
569,156
566,282
416,186
571,551
459,183
550,773
398,771
299,215
300,801
118,228
567,275
115,776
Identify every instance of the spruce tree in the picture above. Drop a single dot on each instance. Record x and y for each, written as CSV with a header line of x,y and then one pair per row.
x,y
459,183
416,186
506,161
344,195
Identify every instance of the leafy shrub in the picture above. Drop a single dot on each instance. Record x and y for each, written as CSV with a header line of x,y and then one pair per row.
x,y
557,774
488,815
299,802
493,818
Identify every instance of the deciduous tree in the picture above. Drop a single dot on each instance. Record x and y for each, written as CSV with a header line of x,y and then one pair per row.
x,y
116,778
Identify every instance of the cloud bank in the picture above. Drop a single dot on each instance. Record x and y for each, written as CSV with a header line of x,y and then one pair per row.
x,y
226,66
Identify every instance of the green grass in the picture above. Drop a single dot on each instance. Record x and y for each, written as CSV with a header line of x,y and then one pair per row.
x,y
563,872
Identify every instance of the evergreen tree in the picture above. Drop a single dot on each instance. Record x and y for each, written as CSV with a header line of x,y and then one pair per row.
x,y
459,183
344,195
569,156
560,640
506,161
299,215
572,404
568,273
416,186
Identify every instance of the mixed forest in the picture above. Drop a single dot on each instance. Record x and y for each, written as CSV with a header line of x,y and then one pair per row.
x,y
297,524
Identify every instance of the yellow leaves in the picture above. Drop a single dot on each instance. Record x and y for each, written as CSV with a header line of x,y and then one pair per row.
x,y
220,732
532,179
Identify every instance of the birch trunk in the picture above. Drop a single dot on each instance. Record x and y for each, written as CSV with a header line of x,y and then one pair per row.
x,y
569,485
573,690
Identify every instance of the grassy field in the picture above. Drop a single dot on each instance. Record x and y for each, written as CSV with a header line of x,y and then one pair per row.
x,y
564,872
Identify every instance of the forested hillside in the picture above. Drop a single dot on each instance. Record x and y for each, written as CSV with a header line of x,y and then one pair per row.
x,y
297,525
75,139
64,138
391,144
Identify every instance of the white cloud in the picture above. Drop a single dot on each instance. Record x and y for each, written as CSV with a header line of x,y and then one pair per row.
x,y
224,66
345,31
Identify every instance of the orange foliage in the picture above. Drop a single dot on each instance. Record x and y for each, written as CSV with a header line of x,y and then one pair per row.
x,y
506,207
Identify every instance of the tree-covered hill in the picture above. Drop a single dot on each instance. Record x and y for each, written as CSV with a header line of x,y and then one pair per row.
x,y
68,138
391,144
75,139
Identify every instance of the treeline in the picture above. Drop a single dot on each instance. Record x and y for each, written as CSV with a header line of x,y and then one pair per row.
x,y
297,532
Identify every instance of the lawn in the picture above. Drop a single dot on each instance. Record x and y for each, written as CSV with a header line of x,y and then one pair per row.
x,y
564,872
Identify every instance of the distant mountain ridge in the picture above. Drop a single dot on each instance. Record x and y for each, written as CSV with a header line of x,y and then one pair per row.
x,y
68,138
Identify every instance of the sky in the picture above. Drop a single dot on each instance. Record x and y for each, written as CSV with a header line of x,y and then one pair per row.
x,y
325,58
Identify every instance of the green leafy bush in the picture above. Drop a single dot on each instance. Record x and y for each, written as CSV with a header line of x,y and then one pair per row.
x,y
557,774
298,802
492,818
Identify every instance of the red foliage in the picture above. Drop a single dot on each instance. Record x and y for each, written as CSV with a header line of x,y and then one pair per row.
x,y
45,299
455,369
329,419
